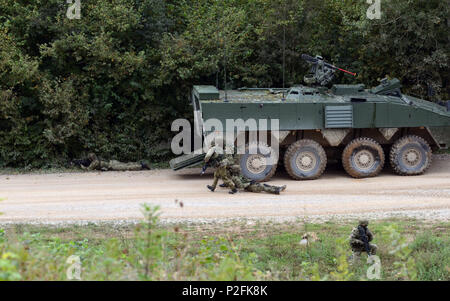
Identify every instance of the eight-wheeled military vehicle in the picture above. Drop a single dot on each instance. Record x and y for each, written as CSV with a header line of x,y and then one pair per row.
x,y
362,127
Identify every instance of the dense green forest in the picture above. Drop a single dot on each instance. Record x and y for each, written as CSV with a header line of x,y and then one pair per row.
x,y
113,81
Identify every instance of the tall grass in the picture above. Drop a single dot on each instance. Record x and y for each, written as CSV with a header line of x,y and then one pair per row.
x,y
265,251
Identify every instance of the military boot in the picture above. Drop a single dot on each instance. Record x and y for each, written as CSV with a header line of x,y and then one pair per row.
x,y
210,188
223,185
145,166
233,191
356,257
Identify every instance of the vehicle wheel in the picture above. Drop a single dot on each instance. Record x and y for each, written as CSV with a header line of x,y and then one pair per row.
x,y
410,156
363,158
305,160
258,163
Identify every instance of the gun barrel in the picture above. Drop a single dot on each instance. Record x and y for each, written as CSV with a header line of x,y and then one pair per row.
x,y
340,69
364,238
309,58
343,70
314,60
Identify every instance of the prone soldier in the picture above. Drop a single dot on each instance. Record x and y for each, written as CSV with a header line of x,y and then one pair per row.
x,y
94,163
230,174
242,182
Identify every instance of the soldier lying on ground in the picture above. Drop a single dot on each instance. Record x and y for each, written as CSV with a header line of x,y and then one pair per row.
x,y
230,174
92,162
359,240
242,182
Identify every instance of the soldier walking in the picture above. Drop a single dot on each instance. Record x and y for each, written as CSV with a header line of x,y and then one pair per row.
x,y
221,163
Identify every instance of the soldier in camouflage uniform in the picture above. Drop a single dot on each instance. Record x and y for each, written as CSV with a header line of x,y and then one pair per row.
x,y
98,164
356,241
242,182
221,163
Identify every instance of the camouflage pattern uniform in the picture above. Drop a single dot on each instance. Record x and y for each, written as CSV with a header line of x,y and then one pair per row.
x,y
221,163
357,244
97,164
242,182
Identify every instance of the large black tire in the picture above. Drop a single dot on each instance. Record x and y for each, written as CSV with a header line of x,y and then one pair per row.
x,y
305,160
410,156
258,166
363,158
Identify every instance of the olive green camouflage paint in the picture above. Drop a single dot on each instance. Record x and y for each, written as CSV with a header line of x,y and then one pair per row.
x,y
343,106
385,112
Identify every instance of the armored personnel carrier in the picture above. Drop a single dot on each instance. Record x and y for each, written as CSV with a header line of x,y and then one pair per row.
x,y
362,127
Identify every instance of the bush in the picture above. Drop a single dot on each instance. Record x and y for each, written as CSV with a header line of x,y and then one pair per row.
x,y
113,81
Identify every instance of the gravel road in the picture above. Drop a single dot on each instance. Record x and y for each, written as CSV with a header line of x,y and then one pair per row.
x,y
116,197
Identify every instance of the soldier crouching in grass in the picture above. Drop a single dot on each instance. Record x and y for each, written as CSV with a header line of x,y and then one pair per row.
x,y
360,241
92,162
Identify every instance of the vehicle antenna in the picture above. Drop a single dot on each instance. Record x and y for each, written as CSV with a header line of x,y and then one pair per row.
x,y
225,58
284,47
218,47
225,68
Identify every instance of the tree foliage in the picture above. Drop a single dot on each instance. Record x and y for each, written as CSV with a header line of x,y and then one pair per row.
x,y
112,81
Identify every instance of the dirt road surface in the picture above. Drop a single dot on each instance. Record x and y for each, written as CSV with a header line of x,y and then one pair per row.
x,y
116,196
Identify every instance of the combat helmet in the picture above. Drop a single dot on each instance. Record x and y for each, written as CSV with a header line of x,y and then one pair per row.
x,y
363,222
92,157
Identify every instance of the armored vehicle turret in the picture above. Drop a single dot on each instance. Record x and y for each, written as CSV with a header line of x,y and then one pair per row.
x,y
362,127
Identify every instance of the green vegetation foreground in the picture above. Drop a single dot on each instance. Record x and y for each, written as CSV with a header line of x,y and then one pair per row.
x,y
113,81
408,250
